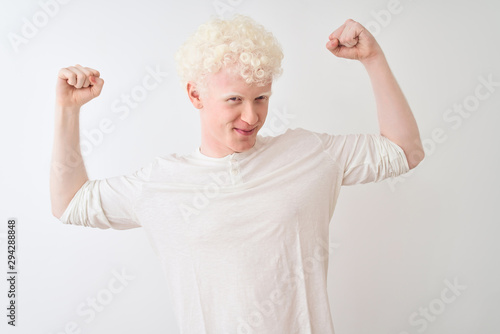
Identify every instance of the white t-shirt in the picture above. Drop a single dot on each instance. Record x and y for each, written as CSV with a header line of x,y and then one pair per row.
x,y
243,239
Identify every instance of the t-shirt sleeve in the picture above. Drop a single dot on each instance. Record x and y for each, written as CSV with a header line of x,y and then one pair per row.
x,y
107,203
364,158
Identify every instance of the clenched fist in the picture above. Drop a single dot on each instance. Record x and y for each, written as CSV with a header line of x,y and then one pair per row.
x,y
353,41
77,85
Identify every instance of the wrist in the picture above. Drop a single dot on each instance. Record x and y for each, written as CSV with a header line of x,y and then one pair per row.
x,y
375,60
67,116
67,110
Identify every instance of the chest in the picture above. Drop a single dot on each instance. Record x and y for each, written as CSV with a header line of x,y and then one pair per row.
x,y
218,209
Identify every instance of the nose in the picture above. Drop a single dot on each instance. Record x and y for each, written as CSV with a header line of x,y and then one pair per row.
x,y
249,114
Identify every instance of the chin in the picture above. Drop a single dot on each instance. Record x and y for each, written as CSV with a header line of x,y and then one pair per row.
x,y
243,146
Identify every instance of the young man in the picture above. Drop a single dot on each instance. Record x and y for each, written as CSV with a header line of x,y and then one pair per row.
x,y
240,224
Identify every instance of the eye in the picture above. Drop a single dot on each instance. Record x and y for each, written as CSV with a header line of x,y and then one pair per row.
x,y
263,97
233,99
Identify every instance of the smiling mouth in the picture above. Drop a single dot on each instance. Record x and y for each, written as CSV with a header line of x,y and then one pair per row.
x,y
244,132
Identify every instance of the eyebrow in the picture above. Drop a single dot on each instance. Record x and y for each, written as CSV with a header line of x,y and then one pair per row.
x,y
268,94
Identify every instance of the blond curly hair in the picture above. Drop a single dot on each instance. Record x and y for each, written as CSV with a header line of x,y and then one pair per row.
x,y
239,44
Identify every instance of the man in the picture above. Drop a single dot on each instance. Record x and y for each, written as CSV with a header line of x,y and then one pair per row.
x,y
240,224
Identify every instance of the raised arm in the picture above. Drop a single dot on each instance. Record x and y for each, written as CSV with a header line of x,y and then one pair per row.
x,y
76,85
396,121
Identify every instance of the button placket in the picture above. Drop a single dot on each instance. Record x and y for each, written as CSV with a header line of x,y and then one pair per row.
x,y
234,171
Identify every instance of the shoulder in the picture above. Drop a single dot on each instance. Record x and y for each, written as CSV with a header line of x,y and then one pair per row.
x,y
291,136
170,161
292,143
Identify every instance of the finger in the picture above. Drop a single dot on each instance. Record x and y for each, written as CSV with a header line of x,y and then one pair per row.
x,y
335,47
80,76
96,85
87,74
350,35
69,76
95,73
340,50
337,32
332,44
88,70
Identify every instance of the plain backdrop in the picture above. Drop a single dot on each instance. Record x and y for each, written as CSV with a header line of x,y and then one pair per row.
x,y
398,243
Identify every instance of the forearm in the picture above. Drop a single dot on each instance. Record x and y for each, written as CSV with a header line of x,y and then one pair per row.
x,y
67,172
396,120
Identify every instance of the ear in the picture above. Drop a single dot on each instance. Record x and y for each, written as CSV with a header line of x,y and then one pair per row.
x,y
194,95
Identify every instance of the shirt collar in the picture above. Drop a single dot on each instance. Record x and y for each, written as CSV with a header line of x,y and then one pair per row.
x,y
234,156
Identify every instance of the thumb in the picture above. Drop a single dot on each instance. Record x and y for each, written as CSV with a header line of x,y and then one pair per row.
x,y
339,50
333,44
334,47
97,84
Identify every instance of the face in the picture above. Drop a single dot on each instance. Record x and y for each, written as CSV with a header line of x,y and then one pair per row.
x,y
231,113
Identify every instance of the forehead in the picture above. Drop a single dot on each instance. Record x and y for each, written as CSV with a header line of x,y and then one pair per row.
x,y
226,80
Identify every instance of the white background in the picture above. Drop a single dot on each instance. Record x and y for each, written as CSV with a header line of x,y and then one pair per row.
x,y
397,241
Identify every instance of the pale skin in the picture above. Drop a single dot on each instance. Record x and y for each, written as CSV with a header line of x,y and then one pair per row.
x,y
396,122
76,85
228,107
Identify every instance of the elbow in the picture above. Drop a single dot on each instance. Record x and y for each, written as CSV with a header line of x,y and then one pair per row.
x,y
57,211
415,157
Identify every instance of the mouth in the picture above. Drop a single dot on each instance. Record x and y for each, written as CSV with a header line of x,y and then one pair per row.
x,y
245,132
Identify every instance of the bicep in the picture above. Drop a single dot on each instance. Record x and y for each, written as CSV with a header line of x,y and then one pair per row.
x,y
107,203
365,157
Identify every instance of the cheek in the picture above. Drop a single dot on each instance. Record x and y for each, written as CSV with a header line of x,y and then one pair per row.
x,y
263,112
223,118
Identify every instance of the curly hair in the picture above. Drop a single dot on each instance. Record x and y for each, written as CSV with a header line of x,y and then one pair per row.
x,y
239,44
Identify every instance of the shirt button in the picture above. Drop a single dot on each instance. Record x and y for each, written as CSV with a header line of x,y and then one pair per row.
x,y
234,171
